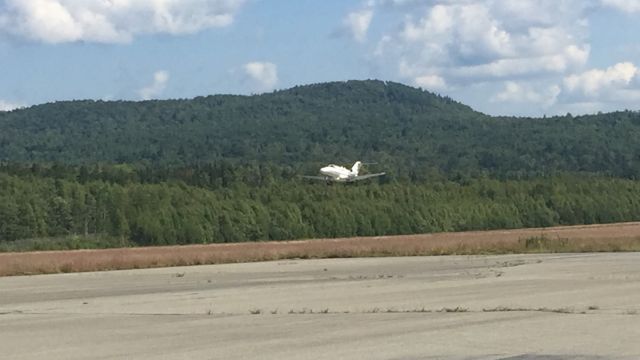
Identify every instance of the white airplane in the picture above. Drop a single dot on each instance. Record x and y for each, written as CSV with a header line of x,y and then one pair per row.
x,y
337,173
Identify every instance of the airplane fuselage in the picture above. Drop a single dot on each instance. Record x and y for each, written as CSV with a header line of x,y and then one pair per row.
x,y
341,174
338,173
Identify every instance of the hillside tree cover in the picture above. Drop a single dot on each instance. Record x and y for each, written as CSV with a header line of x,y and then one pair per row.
x,y
227,168
411,132
173,212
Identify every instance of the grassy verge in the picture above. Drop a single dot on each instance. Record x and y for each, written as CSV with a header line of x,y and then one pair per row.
x,y
593,238
73,242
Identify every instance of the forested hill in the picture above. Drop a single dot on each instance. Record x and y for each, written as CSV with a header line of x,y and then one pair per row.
x,y
227,168
409,131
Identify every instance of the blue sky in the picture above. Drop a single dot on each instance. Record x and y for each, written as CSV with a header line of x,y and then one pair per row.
x,y
502,57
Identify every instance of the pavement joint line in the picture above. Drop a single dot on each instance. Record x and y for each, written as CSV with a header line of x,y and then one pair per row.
x,y
325,311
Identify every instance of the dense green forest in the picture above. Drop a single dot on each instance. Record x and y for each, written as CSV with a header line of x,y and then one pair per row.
x,y
124,211
410,132
228,168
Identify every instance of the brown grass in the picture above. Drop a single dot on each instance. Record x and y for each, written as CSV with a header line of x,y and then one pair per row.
x,y
585,238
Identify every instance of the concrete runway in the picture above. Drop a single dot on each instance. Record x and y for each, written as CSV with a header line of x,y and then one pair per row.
x,y
543,307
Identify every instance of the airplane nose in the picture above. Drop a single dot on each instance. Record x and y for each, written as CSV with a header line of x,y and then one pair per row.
x,y
324,170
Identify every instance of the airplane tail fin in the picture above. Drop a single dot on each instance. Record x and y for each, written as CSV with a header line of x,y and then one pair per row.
x,y
356,168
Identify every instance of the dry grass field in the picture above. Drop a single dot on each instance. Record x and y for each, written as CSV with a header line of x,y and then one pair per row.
x,y
584,238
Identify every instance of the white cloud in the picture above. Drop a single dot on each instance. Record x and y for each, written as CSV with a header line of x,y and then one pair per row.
x,y
525,56
620,82
515,92
502,54
566,59
357,23
629,6
263,74
160,79
8,106
462,33
431,82
466,42
111,21
613,88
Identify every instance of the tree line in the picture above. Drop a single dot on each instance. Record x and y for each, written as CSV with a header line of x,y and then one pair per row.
x,y
410,132
173,212
227,168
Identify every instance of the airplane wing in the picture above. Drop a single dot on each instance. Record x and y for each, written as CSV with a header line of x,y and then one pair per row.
x,y
323,178
367,176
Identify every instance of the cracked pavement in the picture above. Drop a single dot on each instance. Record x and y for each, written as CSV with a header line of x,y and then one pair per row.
x,y
542,306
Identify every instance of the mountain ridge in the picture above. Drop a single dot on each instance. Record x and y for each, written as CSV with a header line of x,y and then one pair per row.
x,y
408,129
